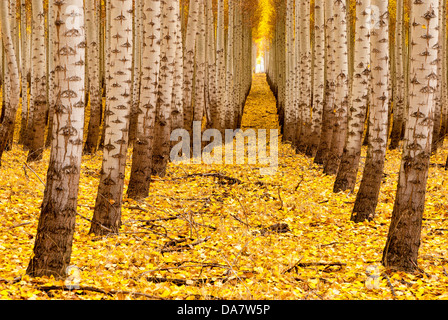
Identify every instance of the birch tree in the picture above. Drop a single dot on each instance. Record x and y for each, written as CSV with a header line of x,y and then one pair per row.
x,y
53,242
107,214
403,240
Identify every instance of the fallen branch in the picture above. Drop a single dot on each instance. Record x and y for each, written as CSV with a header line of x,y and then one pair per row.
x,y
189,282
99,224
99,290
19,225
318,263
26,164
202,265
390,285
220,176
173,248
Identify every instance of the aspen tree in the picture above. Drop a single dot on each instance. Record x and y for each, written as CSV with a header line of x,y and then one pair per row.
x,y
107,213
367,196
38,97
24,53
161,151
142,148
189,55
12,90
399,88
211,67
348,168
341,88
290,125
220,67
319,77
327,117
304,102
403,240
53,244
93,73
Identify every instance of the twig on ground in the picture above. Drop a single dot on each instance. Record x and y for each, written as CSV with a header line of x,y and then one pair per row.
x,y
172,248
41,181
99,290
390,284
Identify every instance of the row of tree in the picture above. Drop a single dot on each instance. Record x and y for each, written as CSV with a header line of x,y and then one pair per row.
x,y
141,68
352,74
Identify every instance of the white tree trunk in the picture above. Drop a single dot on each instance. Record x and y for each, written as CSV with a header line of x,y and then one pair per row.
x,y
38,97
13,98
367,197
143,146
403,241
110,190
93,73
53,245
348,168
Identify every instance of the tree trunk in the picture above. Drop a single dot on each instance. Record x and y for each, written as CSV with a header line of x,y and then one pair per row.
x,y
189,55
136,70
341,89
302,140
328,113
290,124
162,144
142,148
403,240
53,244
367,197
348,168
319,77
211,99
13,98
38,100
399,90
110,191
24,73
220,67
93,73
439,93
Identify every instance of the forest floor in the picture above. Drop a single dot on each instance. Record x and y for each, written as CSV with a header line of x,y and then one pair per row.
x,y
241,236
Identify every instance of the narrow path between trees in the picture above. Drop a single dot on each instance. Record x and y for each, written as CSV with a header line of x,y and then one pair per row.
x,y
260,111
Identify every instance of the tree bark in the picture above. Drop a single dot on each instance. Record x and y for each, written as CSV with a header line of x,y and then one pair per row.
x,y
348,168
142,148
367,197
403,240
38,100
13,97
53,244
93,73
161,153
341,89
319,77
110,191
